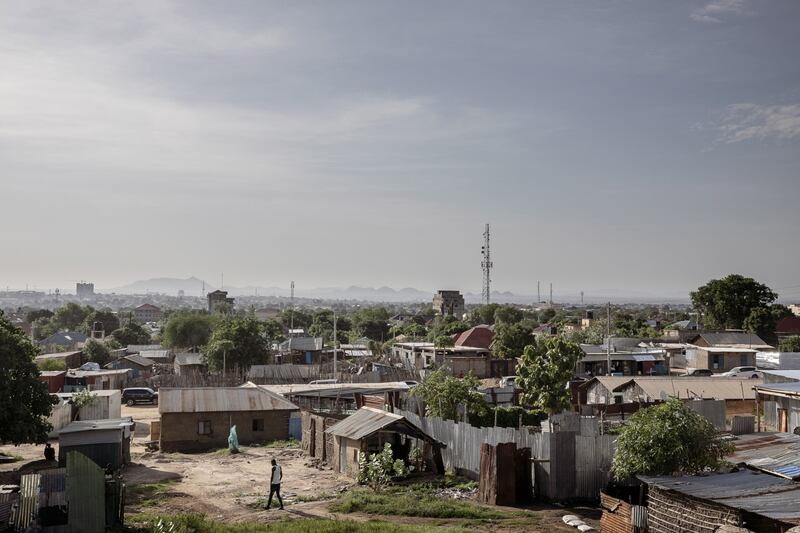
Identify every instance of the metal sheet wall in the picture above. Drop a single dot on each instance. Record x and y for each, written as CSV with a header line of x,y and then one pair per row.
x,y
85,494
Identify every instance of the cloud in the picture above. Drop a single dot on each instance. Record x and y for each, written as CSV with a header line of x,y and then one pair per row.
x,y
715,11
747,121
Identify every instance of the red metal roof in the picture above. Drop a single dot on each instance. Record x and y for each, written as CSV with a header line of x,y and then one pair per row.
x,y
789,324
476,337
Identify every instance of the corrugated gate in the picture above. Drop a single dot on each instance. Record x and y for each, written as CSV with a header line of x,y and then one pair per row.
x,y
85,494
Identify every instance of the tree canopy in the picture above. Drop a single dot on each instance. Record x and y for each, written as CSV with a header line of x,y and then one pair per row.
x,y
443,393
728,302
108,318
510,340
70,316
25,403
666,439
187,330
131,333
790,344
97,352
239,340
543,372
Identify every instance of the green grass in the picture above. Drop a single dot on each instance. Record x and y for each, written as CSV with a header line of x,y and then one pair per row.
x,y
421,503
290,443
196,523
147,494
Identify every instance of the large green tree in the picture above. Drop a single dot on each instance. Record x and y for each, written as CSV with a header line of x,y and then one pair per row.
x,y
70,316
790,344
185,330
760,321
131,333
506,314
727,302
97,352
667,439
543,372
443,394
240,341
25,403
372,323
106,317
510,340
483,314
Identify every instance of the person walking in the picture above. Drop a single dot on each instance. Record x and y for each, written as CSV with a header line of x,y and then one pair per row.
x,y
275,484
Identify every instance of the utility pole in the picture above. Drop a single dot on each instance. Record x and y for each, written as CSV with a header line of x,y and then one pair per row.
x,y
486,265
608,339
551,294
538,293
581,297
291,316
334,344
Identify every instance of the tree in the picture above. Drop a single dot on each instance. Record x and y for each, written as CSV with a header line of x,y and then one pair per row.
x,y
790,344
25,403
727,302
51,364
131,333
760,321
297,318
70,316
372,323
510,340
97,352
378,469
666,439
273,331
543,373
506,314
483,314
443,341
443,393
239,340
780,311
188,330
106,317
32,316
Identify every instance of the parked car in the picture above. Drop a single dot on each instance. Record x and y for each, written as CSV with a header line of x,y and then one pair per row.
x,y
136,395
323,382
508,381
743,372
411,383
699,372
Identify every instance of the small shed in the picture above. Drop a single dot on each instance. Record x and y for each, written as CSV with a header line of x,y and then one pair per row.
x,y
189,363
70,359
759,502
105,404
104,379
781,405
159,357
54,379
140,367
106,442
367,431
199,418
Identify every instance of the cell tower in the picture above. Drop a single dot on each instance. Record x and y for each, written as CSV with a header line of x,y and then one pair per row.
x,y
486,265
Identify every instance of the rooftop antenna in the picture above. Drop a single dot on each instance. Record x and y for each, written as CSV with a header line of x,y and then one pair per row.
x,y
486,265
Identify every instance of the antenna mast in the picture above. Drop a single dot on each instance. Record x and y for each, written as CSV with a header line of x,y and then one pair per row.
x,y
486,265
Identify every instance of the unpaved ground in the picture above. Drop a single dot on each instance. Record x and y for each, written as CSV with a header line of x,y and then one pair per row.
x,y
232,488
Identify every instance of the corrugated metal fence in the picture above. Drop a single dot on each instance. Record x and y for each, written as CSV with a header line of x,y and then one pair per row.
x,y
86,494
570,457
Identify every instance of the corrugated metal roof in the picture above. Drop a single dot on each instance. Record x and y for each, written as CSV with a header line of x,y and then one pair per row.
x,y
189,359
139,360
57,355
368,420
335,389
609,382
598,357
733,338
789,374
788,389
777,453
302,344
97,425
750,491
136,348
220,399
155,354
689,387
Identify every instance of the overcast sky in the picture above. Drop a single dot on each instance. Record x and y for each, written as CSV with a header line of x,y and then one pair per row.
x,y
635,146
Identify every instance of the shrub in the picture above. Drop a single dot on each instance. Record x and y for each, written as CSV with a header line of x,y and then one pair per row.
x,y
378,469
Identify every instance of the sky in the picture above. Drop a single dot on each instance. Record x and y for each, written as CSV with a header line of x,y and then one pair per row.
x,y
624,146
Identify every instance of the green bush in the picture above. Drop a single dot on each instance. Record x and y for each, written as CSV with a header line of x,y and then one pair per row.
x,y
508,417
378,469
414,503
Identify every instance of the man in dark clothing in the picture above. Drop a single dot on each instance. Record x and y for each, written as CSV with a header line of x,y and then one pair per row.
x,y
275,484
49,453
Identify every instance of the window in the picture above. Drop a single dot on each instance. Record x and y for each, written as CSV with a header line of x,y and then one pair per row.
x,y
716,361
258,424
204,427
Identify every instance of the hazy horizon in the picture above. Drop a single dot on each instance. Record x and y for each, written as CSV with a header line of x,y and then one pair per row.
x,y
641,147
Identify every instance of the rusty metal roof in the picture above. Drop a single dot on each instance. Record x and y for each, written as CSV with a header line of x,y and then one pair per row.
x,y
719,388
763,494
333,390
220,399
368,420
776,453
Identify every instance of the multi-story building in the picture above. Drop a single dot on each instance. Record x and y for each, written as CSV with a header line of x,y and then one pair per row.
x,y
84,290
147,313
219,298
449,303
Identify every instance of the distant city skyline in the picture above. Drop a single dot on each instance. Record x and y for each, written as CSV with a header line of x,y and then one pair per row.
x,y
639,147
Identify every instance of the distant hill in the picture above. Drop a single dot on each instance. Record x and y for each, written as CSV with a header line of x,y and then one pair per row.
x,y
194,287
